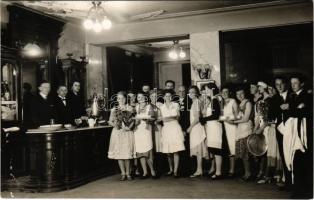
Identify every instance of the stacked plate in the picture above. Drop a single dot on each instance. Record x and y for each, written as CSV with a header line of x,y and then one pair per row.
x,y
53,127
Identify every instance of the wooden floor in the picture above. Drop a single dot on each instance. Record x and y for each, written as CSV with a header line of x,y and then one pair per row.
x,y
165,187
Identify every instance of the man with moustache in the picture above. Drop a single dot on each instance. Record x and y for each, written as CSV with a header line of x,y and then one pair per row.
x,y
63,114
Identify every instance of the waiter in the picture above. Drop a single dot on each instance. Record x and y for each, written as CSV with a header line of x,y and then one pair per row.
x,y
301,107
185,104
76,103
42,108
63,114
279,110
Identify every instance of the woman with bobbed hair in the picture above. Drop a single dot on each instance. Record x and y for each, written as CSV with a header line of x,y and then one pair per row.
x,y
197,132
244,121
171,132
211,114
230,112
121,146
143,134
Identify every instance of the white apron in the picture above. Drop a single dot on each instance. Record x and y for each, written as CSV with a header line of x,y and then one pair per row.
x,y
143,133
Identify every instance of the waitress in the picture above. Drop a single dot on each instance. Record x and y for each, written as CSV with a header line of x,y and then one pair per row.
x,y
121,146
143,134
171,132
211,113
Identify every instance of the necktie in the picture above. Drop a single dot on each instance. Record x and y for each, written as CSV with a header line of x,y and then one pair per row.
x,y
64,101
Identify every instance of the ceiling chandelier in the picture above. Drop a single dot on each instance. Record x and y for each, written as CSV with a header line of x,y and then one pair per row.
x,y
96,19
32,50
175,53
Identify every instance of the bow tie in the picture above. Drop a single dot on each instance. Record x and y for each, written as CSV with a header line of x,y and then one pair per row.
x,y
63,99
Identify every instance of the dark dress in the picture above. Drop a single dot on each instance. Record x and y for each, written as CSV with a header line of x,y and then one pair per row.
x,y
42,110
63,114
76,105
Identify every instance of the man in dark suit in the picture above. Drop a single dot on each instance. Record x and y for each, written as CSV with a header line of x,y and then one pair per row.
x,y
280,114
301,107
185,104
42,108
76,103
63,114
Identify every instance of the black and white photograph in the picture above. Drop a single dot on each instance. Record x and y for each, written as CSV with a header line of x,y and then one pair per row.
x,y
209,99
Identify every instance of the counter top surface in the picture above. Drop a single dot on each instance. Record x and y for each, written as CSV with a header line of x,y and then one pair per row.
x,y
63,130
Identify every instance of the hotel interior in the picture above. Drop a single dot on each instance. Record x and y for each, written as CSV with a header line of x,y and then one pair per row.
x,y
157,99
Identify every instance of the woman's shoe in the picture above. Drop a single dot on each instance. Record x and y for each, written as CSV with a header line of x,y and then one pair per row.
x,y
230,175
264,180
129,177
170,173
196,175
123,178
259,176
137,173
175,175
216,177
144,176
154,175
210,174
246,178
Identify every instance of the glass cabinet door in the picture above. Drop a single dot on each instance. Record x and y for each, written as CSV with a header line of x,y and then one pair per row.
x,y
9,105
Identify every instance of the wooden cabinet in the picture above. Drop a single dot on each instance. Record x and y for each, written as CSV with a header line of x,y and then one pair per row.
x,y
10,85
74,70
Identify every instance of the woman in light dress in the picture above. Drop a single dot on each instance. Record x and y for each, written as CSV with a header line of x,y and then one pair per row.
x,y
245,126
121,146
230,112
211,114
156,104
263,126
143,134
197,132
172,137
131,99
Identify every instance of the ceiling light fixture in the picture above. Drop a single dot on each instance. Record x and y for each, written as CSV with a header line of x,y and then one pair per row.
x,y
174,54
96,19
32,50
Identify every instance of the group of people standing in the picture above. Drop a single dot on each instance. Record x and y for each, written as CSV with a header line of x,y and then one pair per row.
x,y
159,121
47,108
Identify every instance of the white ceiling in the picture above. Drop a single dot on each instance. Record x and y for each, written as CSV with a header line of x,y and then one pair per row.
x,y
126,11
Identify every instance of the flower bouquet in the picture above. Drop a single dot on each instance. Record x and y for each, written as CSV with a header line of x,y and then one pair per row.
x,y
125,118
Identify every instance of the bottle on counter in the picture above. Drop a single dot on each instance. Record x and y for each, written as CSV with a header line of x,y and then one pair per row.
x,y
5,91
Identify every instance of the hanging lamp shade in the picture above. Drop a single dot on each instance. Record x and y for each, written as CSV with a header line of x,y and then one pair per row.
x,y
32,49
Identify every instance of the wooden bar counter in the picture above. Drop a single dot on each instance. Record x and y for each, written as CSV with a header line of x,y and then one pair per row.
x,y
64,159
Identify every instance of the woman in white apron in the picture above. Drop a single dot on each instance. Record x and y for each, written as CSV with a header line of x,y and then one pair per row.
x,y
121,146
156,126
143,134
171,132
230,112
197,132
211,114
